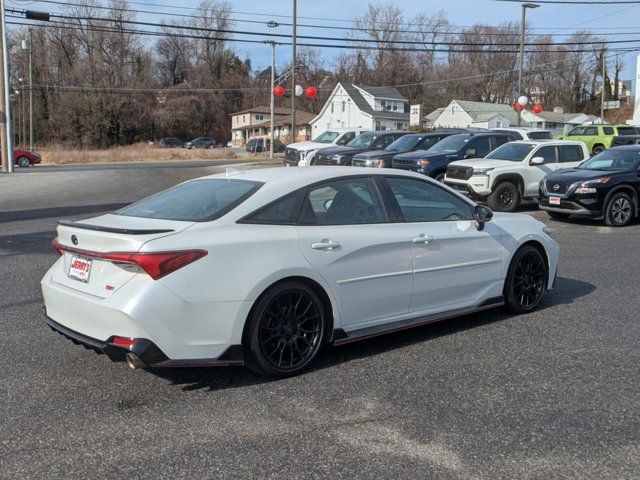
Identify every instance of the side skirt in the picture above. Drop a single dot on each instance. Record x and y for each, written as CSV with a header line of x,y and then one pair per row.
x,y
340,337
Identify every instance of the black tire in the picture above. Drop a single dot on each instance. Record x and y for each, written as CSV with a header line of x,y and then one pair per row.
x,y
440,177
558,215
619,211
598,149
286,330
24,162
526,280
505,197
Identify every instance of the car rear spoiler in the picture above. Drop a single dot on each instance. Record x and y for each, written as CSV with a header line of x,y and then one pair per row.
x,y
125,231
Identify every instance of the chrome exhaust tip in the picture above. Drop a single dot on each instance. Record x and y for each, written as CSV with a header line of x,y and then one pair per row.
x,y
134,361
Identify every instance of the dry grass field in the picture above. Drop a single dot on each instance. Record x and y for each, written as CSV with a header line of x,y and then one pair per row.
x,y
140,152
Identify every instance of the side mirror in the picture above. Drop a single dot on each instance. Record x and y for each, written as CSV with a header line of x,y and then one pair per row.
x,y
536,161
471,152
483,214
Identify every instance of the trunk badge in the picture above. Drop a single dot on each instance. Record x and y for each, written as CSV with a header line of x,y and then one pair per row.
x,y
74,239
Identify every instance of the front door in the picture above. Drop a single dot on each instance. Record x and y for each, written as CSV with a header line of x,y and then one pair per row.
x,y
346,236
455,265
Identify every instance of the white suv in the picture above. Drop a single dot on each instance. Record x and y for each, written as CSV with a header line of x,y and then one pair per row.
x,y
301,153
512,172
525,133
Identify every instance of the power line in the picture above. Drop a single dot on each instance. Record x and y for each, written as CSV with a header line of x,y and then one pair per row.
x,y
461,28
576,2
339,39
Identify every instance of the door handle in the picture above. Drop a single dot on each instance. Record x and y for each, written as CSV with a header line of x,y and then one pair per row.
x,y
325,244
422,238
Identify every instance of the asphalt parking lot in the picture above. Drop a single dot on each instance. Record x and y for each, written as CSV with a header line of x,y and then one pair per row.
x,y
551,394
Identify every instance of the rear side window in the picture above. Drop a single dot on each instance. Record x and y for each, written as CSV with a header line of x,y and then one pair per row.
x,y
607,130
349,201
195,201
591,131
570,153
281,212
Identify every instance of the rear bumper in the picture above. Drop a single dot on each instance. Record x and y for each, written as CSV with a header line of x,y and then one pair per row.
x,y
146,350
193,333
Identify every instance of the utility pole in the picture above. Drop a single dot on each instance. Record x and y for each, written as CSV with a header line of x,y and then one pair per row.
x,y
293,73
602,94
5,99
273,97
31,141
520,70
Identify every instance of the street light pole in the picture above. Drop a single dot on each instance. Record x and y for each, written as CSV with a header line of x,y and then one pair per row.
x,y
520,70
293,73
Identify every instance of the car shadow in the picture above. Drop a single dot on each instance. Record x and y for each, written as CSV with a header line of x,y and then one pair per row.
x,y
567,291
57,212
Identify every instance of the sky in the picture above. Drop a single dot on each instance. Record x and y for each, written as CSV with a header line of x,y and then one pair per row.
x,y
549,18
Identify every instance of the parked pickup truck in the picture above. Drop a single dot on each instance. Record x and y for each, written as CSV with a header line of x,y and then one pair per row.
x,y
302,153
512,173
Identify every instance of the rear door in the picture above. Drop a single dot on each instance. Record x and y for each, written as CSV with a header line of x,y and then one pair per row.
x,y
535,173
345,234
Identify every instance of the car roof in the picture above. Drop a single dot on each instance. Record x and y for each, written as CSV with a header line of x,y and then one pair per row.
x,y
549,142
488,133
521,129
634,147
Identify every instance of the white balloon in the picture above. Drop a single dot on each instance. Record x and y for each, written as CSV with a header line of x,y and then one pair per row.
x,y
522,100
299,90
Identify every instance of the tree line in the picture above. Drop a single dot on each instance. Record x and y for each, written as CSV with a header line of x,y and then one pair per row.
x,y
98,82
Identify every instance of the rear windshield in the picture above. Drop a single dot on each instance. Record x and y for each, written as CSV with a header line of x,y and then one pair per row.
x,y
540,136
195,201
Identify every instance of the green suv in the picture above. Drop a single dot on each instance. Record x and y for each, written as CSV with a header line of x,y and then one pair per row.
x,y
598,137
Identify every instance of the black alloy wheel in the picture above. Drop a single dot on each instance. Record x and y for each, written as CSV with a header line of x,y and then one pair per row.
x,y
619,211
24,162
286,330
526,280
504,198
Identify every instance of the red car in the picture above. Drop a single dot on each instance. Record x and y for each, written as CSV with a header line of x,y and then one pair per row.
x,y
24,158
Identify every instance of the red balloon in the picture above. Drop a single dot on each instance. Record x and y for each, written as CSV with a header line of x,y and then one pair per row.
x,y
537,108
517,106
311,92
278,91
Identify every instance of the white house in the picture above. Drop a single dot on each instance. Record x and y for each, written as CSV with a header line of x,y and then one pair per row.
x,y
351,106
558,121
464,114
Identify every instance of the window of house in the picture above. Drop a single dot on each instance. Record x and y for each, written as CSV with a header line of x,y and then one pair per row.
x,y
344,105
378,126
331,107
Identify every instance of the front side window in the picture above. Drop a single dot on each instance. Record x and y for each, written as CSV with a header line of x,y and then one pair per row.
x,y
346,138
482,146
548,153
194,201
349,201
591,131
577,131
570,153
421,201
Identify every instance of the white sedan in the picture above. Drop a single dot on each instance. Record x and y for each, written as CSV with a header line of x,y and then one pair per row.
x,y
264,267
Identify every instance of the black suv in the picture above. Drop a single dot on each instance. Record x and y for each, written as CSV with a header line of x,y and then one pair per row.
x,y
201,142
455,147
406,143
378,140
606,186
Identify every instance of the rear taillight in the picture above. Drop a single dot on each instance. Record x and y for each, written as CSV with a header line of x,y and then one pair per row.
x,y
155,264
56,245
